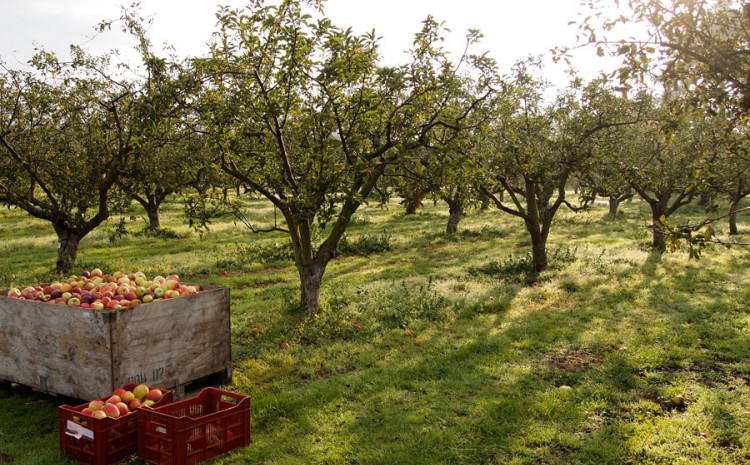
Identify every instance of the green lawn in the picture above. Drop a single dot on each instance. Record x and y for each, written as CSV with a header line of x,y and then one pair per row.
x,y
580,364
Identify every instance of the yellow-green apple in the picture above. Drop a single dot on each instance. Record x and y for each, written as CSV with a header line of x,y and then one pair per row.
x,y
99,414
96,404
141,391
14,292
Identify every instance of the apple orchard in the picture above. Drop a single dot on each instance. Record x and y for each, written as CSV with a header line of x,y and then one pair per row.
x,y
288,106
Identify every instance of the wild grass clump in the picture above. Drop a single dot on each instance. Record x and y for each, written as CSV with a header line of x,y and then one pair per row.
x,y
160,233
365,244
276,252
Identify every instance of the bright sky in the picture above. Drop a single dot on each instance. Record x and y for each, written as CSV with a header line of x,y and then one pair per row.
x,y
513,29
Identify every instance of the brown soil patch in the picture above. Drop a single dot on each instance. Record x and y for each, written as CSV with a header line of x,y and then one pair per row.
x,y
573,361
264,284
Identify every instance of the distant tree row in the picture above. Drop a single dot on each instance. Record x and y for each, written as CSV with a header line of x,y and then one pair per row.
x,y
302,112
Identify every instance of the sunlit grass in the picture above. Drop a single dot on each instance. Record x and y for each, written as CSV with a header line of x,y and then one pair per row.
x,y
578,364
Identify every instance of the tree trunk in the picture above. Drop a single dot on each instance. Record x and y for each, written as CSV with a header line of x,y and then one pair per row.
x,y
413,200
539,251
614,204
703,199
733,216
535,227
456,211
151,202
311,277
658,241
68,241
154,221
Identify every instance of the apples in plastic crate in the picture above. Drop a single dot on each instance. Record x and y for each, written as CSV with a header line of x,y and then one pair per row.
x,y
101,441
194,430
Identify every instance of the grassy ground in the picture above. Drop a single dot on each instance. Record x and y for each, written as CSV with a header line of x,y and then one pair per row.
x,y
580,364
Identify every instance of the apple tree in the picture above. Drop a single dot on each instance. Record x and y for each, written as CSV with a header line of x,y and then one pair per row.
x,y
64,137
667,156
303,113
535,148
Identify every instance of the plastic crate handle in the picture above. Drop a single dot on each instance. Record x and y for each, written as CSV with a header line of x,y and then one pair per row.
x,y
77,431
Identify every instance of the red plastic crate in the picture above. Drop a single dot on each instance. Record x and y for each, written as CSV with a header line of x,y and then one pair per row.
x,y
104,441
194,430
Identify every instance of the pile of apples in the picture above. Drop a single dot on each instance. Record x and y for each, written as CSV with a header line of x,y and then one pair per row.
x,y
123,402
104,291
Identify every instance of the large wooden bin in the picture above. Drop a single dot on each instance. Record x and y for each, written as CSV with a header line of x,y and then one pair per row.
x,y
86,354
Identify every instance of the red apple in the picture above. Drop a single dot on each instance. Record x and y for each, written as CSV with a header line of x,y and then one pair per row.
x,y
119,392
113,399
134,404
123,408
111,410
87,411
154,394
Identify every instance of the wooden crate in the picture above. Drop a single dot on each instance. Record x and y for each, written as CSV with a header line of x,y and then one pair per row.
x,y
86,354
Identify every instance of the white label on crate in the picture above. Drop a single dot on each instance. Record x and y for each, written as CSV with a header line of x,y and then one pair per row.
x,y
74,429
161,429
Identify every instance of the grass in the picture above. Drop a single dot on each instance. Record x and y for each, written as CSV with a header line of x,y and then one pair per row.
x,y
579,364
